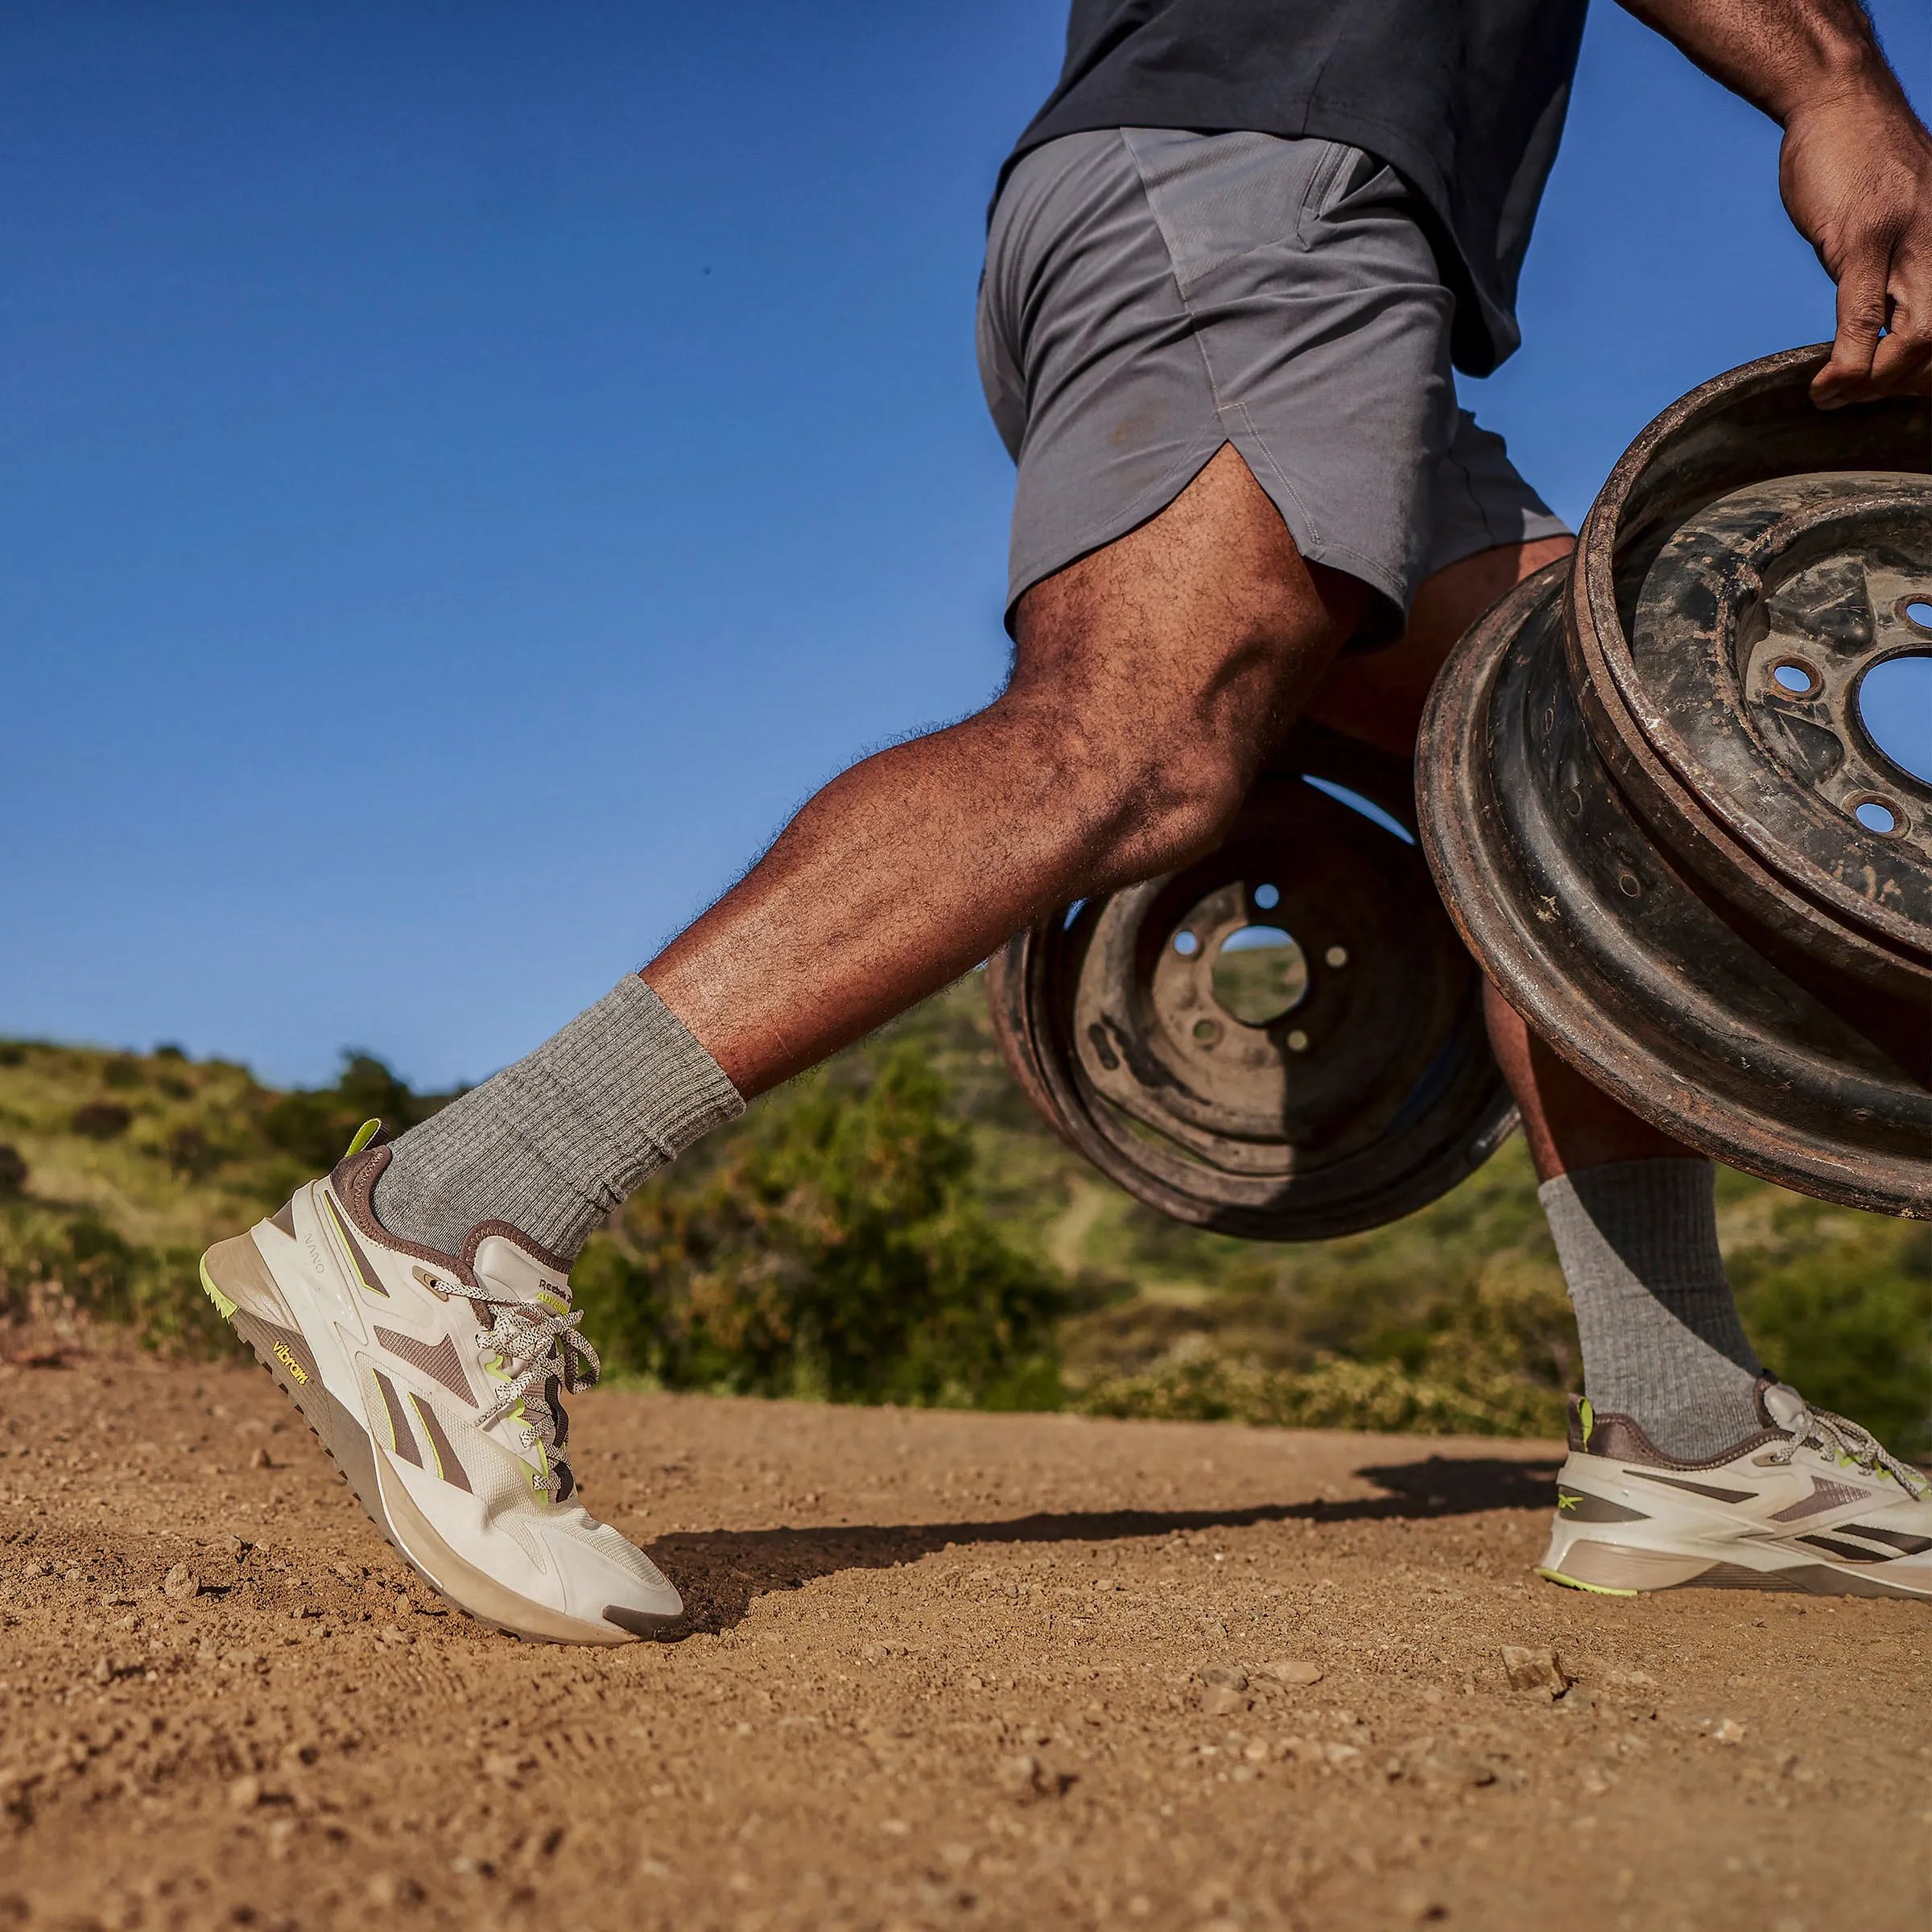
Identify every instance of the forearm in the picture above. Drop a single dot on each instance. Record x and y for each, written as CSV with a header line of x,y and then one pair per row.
x,y
1782,55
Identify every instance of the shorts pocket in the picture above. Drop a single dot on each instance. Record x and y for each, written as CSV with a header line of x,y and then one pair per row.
x,y
1349,183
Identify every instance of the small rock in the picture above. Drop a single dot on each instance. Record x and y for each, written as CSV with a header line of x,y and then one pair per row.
x,y
1225,1676
1222,1700
1639,1680
1727,1731
1456,1768
390,1633
181,1583
259,1460
31,1571
1025,1778
503,1766
1536,1673
245,1794
1294,1671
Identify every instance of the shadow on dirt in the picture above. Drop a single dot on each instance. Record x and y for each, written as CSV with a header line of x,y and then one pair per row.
x,y
721,1571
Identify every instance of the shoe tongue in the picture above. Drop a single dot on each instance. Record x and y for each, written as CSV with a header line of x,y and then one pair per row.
x,y
507,1273
1780,1404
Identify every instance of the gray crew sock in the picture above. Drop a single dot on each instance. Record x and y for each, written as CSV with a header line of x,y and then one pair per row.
x,y
1662,1340
552,1144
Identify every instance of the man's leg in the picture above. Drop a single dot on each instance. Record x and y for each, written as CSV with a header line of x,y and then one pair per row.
x,y
1632,1210
1152,680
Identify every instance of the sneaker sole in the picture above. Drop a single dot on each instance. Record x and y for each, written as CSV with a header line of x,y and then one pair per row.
x,y
237,1281
1629,1569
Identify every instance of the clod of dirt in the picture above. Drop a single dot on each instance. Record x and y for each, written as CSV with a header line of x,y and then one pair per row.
x,y
245,1794
1727,1731
1292,1671
181,1583
1225,1693
1536,1673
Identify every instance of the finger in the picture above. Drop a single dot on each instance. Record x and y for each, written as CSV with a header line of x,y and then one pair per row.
x,y
1861,320
1902,364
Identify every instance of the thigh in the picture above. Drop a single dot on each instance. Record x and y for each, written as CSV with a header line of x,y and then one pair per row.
x,y
1205,624
1379,698
1486,530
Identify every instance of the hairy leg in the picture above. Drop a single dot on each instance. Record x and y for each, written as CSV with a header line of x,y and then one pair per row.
x,y
1570,1124
1151,680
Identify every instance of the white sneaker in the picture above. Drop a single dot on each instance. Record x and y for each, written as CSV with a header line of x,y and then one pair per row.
x,y
1810,1502
436,1382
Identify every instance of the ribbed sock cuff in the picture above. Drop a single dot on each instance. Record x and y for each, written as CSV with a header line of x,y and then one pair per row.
x,y
1658,1217
1661,1336
556,1142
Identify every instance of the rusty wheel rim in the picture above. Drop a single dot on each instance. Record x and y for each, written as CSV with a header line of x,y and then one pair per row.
x,y
1627,837
1282,1091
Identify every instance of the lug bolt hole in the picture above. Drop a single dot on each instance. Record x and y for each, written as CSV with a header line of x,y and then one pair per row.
x,y
1795,678
1298,1042
1877,814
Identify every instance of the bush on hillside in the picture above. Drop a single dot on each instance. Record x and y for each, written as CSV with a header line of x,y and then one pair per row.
x,y
833,1248
316,1126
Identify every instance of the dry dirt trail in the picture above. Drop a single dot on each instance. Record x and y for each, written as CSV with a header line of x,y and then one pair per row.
x,y
941,1670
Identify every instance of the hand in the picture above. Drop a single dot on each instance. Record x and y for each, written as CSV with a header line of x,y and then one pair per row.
x,y
1856,175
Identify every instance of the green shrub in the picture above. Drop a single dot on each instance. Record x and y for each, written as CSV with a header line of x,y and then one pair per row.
x,y
314,1127
1840,1305
832,1247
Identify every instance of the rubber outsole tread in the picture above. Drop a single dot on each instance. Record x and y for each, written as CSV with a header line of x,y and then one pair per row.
x,y
227,1310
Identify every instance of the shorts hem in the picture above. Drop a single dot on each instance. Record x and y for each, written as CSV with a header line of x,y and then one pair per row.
x,y
1298,519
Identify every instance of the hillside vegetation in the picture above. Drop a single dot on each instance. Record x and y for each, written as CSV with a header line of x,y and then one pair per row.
x,y
898,1227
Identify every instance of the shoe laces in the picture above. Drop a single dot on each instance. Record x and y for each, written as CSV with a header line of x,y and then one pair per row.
x,y
1838,1436
538,1349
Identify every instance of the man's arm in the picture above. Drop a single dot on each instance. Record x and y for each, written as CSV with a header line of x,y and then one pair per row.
x,y
1856,170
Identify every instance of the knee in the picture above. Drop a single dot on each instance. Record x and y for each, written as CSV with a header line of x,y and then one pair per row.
x,y
1146,795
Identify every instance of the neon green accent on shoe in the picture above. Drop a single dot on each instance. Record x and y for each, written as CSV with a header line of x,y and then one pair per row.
x,y
366,1133
429,1433
223,1305
1586,1416
1572,1582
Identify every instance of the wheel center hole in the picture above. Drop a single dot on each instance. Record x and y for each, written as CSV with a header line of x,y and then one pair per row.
x,y
1895,707
1259,974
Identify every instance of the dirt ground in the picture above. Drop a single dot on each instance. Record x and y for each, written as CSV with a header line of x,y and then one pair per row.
x,y
940,1671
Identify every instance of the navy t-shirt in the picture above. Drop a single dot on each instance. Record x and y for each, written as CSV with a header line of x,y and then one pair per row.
x,y
1465,98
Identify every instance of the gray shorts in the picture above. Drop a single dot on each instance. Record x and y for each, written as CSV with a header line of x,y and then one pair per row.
x,y
1151,293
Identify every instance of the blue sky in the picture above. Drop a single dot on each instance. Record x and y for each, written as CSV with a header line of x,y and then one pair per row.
x,y
468,471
